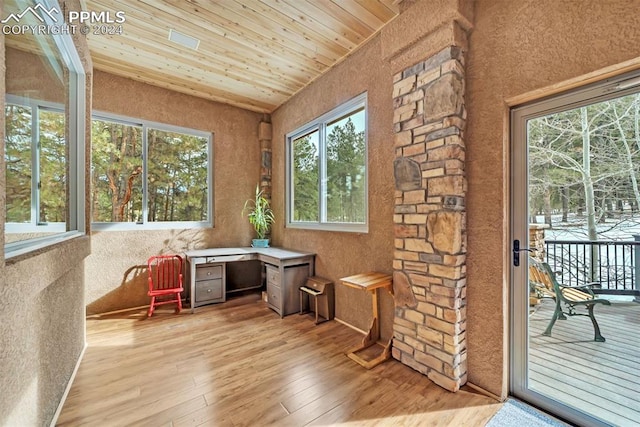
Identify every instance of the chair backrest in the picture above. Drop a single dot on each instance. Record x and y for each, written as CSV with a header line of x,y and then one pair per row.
x,y
540,274
165,272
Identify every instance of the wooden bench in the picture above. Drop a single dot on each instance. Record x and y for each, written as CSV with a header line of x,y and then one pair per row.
x,y
543,279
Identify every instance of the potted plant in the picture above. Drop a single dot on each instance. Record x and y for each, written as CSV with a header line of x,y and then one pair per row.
x,y
260,216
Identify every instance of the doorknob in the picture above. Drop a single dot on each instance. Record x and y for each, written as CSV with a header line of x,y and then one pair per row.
x,y
516,252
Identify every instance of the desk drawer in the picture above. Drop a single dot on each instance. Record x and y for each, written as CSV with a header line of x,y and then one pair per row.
x,y
274,296
273,276
208,273
209,290
230,258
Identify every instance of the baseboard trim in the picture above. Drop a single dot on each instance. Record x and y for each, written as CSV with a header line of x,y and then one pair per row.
x,y
68,388
122,310
485,392
349,325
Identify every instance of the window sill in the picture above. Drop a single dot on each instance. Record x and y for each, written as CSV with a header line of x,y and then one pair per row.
x,y
132,226
345,228
18,251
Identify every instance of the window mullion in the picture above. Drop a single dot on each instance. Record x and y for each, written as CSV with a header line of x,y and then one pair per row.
x,y
210,182
289,190
322,158
145,157
76,219
35,165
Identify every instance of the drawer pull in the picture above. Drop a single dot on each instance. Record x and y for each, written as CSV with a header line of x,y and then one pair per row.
x,y
209,290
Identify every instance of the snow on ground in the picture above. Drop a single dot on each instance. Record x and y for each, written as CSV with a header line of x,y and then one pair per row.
x,y
618,229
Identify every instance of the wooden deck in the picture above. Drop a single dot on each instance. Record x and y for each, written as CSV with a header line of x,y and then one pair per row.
x,y
602,379
239,364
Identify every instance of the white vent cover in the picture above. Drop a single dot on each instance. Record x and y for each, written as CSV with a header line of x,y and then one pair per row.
x,y
183,39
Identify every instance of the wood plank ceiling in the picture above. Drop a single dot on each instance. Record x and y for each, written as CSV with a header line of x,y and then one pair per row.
x,y
254,54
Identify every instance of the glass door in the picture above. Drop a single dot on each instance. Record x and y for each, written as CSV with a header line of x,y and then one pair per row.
x,y
576,222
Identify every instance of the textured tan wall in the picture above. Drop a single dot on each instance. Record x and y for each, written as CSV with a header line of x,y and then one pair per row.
x,y
115,276
423,29
42,316
517,47
343,254
42,331
25,73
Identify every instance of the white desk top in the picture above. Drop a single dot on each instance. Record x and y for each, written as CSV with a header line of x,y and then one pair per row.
x,y
278,253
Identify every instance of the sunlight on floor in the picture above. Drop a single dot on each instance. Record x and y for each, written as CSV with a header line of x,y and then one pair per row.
x,y
447,417
124,337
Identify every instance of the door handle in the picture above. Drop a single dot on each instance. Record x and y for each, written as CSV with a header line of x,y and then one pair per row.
x,y
516,252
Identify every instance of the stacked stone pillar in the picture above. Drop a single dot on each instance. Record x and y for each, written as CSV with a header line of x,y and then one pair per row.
x,y
536,240
430,218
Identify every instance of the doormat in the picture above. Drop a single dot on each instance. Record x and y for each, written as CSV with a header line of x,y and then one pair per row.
x,y
515,413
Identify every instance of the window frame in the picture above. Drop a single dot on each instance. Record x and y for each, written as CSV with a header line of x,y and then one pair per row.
x,y
158,225
34,224
75,115
320,124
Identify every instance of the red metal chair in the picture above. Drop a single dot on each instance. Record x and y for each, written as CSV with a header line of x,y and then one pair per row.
x,y
165,281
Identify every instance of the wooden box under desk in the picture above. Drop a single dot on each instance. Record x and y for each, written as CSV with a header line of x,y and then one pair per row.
x,y
287,270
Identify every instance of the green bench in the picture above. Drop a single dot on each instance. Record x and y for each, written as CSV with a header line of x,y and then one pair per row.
x,y
567,298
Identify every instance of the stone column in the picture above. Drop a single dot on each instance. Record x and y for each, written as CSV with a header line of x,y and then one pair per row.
x,y
536,240
430,218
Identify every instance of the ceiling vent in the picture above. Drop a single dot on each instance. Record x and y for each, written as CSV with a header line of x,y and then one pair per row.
x,y
183,39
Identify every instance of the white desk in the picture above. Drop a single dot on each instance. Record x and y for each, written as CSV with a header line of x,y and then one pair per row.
x,y
286,270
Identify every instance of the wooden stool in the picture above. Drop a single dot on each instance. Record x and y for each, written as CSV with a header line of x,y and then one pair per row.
x,y
318,288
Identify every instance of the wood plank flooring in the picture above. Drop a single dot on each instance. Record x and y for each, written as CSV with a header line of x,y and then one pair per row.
x,y
602,379
239,364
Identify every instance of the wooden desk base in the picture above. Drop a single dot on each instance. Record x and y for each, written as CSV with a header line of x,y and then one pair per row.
x,y
370,282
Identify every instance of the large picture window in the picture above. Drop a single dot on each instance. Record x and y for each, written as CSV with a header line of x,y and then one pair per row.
x,y
44,133
149,174
327,171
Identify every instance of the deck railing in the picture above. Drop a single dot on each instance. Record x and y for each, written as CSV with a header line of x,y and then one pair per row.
x,y
614,265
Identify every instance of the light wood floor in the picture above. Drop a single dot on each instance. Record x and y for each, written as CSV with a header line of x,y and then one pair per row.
x,y
602,379
239,364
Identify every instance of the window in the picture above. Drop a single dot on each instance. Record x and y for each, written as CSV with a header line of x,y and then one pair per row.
x,y
327,171
18,148
44,133
149,174
35,167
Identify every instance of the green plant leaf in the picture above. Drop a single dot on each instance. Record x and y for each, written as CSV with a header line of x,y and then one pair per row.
x,y
259,213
